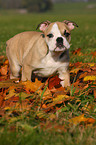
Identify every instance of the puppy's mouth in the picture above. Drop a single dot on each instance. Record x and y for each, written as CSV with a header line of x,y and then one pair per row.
x,y
60,47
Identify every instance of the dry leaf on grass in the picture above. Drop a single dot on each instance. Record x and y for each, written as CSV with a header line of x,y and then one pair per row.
x,y
4,70
81,119
90,78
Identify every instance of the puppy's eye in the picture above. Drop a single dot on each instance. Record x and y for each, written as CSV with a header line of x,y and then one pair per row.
x,y
50,35
66,33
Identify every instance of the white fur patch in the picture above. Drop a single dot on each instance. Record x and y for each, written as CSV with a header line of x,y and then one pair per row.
x,y
49,66
52,41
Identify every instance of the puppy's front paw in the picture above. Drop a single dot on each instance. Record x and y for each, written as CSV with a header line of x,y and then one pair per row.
x,y
65,79
65,84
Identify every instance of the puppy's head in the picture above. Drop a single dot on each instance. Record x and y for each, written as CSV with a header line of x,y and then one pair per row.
x,y
58,34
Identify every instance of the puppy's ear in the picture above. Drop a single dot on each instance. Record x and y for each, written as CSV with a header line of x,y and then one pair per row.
x,y
70,24
43,25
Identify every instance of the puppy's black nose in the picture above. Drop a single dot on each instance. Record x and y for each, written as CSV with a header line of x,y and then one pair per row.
x,y
59,42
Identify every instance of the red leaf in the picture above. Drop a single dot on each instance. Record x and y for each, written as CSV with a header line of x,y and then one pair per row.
x,y
53,82
77,51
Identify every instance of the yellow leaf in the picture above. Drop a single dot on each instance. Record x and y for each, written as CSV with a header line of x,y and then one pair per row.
x,y
7,108
41,114
91,78
60,98
11,93
75,70
77,120
91,64
81,118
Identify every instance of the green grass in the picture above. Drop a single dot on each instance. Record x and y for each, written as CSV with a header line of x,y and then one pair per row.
x,y
36,137
83,37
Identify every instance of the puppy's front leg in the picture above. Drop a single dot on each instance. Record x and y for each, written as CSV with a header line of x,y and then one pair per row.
x,y
65,78
26,72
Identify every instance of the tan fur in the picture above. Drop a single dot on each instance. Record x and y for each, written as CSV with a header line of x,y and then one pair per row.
x,y
29,51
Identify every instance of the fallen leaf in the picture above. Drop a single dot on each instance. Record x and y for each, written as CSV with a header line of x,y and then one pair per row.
x,y
42,115
4,70
77,51
75,70
91,78
8,83
94,94
6,62
1,57
81,118
60,98
33,86
91,64
83,75
11,94
54,81
93,53
77,64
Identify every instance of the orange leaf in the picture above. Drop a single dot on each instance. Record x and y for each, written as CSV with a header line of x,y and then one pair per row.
x,y
4,70
44,106
33,86
77,51
6,62
93,53
83,75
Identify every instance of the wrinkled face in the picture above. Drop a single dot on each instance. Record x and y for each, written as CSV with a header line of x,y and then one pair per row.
x,y
57,37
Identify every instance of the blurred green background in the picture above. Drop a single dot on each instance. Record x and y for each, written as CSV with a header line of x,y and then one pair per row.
x,y
18,19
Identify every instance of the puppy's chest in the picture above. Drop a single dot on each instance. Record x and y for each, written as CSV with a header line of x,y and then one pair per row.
x,y
50,65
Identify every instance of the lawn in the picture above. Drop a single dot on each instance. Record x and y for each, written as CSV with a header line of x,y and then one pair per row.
x,y
34,125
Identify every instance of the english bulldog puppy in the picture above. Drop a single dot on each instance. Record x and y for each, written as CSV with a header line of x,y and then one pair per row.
x,y
43,53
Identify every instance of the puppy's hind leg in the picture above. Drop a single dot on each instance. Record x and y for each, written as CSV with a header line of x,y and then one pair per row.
x,y
15,69
13,62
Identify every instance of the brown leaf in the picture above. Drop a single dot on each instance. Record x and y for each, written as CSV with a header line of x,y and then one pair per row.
x,y
53,82
94,94
8,83
1,57
1,99
4,70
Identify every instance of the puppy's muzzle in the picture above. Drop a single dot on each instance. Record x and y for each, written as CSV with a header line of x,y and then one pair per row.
x,y
59,41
